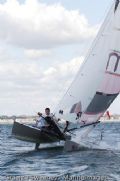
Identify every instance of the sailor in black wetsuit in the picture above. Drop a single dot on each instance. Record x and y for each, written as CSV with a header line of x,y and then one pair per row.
x,y
50,119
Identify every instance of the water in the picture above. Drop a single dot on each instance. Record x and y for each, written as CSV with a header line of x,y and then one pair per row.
x,y
99,161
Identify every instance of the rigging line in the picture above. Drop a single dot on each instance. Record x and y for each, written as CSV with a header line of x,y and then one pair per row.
x,y
69,130
94,124
106,21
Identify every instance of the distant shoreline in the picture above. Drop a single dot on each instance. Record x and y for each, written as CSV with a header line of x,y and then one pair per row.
x,y
3,117
31,120
18,117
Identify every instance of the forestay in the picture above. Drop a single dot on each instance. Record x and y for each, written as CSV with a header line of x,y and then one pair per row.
x,y
97,83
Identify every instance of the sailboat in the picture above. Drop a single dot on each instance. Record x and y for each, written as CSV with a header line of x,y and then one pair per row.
x,y
96,85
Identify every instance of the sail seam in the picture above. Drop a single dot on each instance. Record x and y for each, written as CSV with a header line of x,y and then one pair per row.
x,y
111,73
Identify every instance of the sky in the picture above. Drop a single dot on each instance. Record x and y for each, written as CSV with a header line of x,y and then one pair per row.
x,y
42,45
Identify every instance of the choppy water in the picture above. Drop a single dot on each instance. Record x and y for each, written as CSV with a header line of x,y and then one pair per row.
x,y
100,161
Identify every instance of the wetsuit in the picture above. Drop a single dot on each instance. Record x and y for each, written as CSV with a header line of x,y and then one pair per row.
x,y
54,127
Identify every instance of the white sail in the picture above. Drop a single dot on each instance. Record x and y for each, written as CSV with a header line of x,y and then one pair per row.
x,y
97,83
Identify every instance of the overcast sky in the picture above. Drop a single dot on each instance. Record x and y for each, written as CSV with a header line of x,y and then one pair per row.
x,y
42,45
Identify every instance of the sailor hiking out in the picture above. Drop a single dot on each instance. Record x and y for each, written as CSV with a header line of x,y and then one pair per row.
x,y
46,119
48,122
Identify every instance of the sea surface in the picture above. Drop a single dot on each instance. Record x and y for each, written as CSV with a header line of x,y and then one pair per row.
x,y
99,160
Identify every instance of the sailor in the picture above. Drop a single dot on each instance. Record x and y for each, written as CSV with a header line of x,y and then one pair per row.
x,y
49,118
48,121
44,120
52,122
40,122
48,114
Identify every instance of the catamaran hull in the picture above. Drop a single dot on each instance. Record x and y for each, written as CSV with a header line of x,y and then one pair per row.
x,y
32,134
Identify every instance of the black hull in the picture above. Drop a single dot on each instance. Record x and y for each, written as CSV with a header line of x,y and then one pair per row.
x,y
32,134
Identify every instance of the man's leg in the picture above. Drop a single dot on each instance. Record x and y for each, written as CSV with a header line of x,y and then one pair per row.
x,y
56,129
37,146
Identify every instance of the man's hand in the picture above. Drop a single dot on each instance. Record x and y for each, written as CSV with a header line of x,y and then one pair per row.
x,y
39,114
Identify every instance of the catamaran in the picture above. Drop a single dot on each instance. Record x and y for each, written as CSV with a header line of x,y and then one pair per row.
x,y
95,87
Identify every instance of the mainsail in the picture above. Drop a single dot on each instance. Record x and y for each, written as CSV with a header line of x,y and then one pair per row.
x,y
97,83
